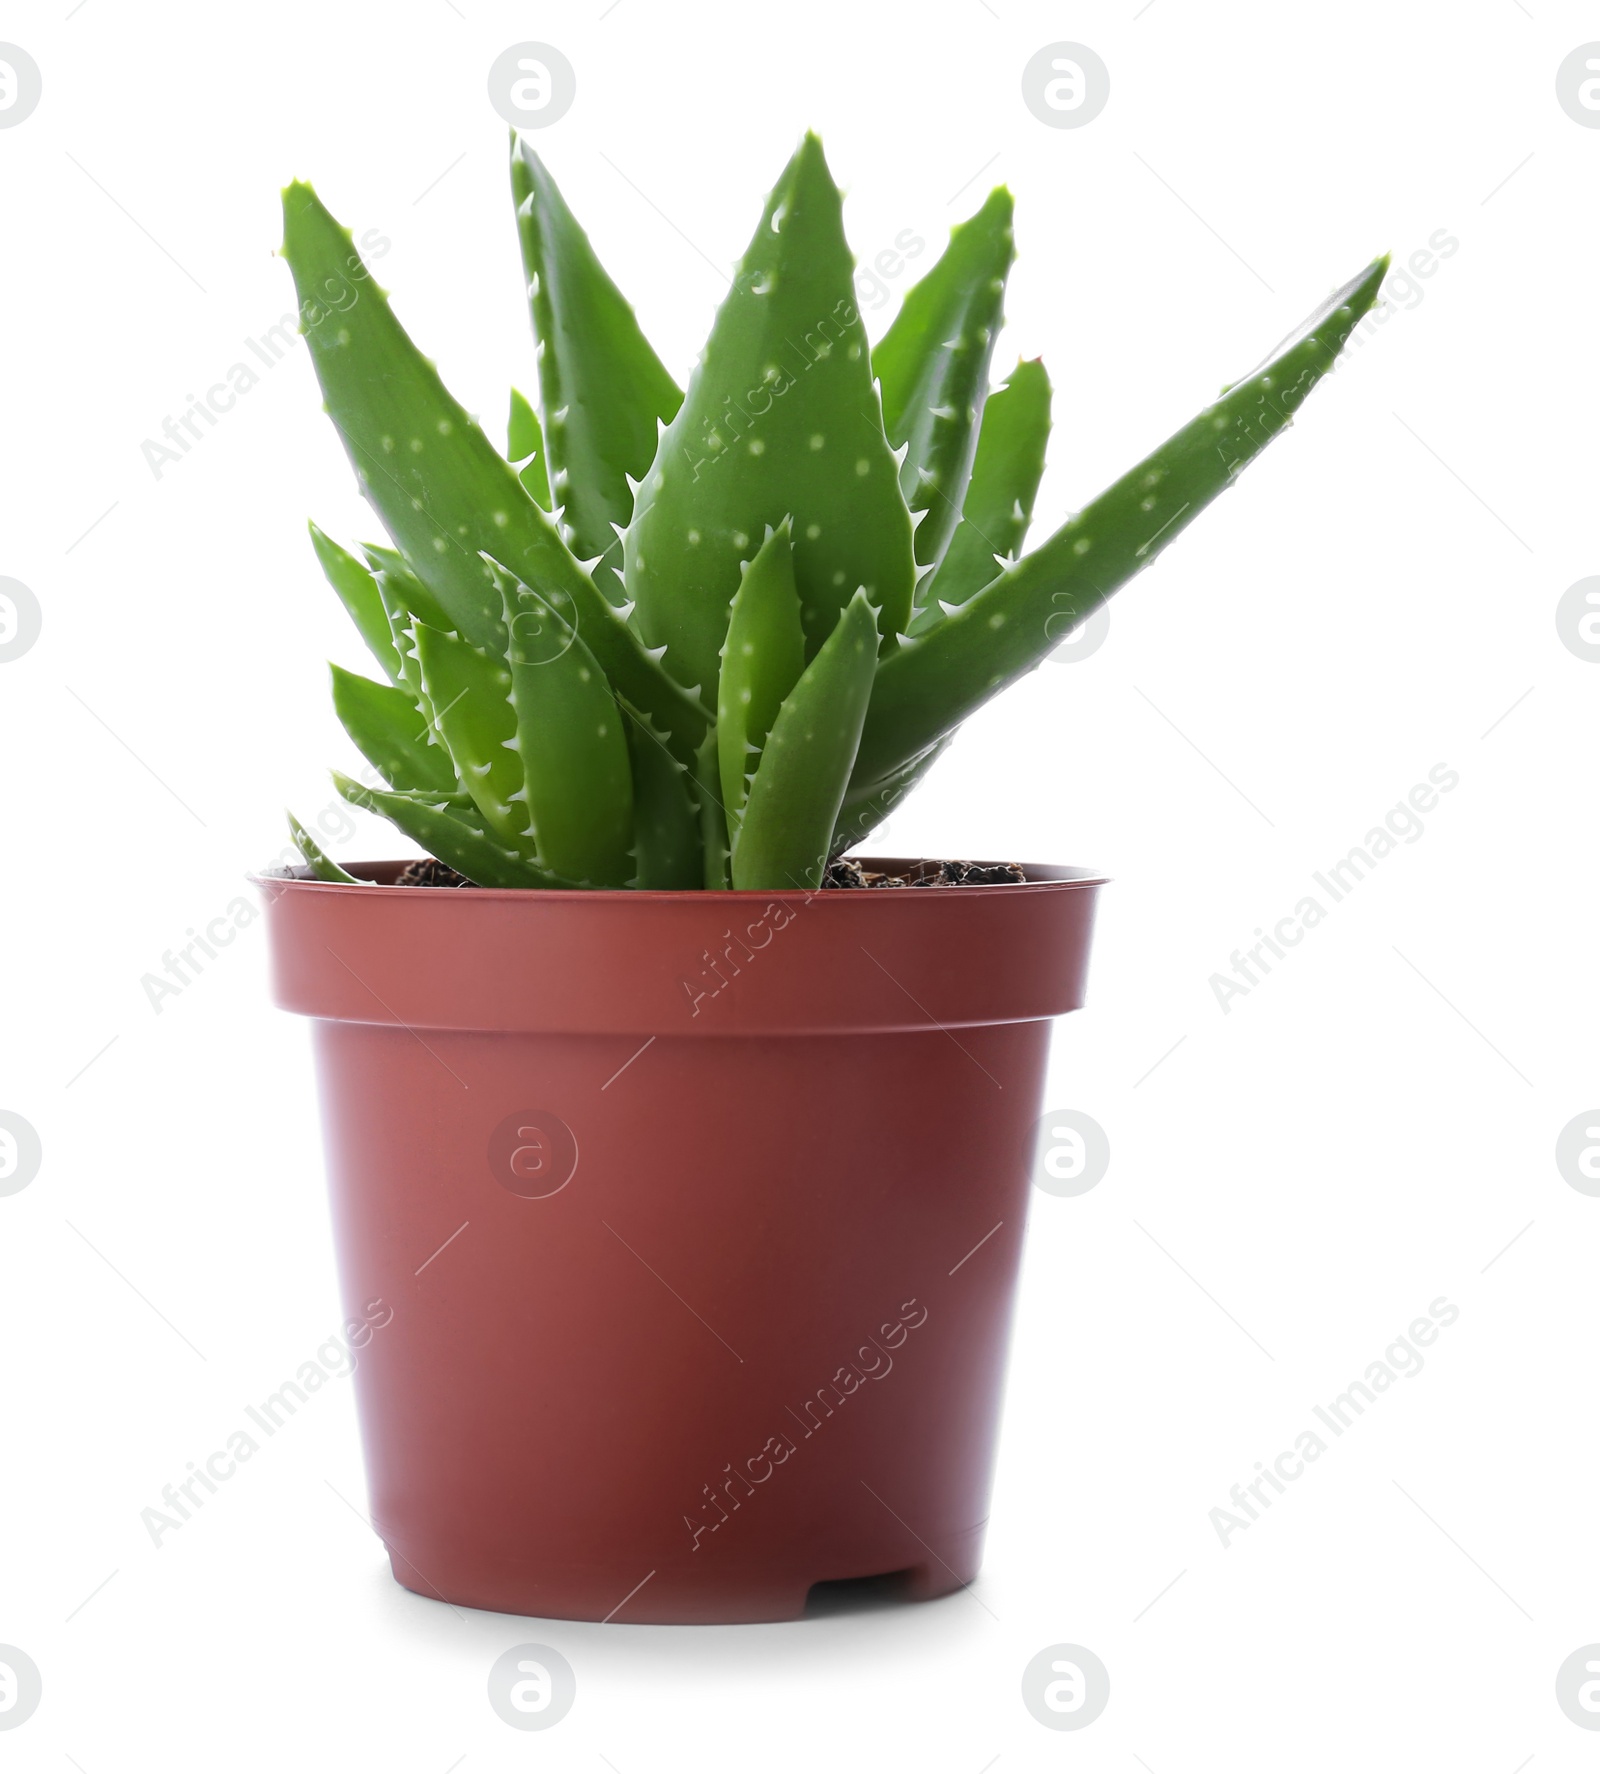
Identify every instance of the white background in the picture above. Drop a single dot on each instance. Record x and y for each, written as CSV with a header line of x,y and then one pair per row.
x,y
1367,1130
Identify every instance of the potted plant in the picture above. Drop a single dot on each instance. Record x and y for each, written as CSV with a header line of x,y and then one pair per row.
x,y
692,1159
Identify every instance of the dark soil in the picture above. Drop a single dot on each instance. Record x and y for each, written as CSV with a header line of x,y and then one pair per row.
x,y
426,872
842,872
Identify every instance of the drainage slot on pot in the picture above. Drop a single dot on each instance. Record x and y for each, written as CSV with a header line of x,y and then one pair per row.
x,y
857,1595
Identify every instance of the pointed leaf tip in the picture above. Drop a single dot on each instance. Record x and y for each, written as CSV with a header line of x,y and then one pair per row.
x,y
998,205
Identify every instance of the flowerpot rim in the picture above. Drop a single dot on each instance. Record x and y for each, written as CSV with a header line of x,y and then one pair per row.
x,y
680,962
378,879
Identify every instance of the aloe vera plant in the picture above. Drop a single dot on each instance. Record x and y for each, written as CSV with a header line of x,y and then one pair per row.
x,y
709,638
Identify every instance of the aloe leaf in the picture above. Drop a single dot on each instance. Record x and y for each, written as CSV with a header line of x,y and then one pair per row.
x,y
524,436
427,468
786,834
322,867
404,640
471,698
781,418
937,679
714,852
569,736
392,733
933,367
862,814
525,449
359,595
666,819
444,492
1000,494
394,576
447,836
407,603
762,660
535,478
603,391
457,803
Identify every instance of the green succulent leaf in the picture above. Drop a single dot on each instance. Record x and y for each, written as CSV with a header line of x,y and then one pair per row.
x,y
603,392
762,660
819,543
448,834
400,587
714,852
359,595
445,494
1000,494
535,477
457,801
525,449
570,738
432,476
781,419
666,818
523,435
402,634
322,867
392,733
933,367
937,679
786,834
471,698
862,813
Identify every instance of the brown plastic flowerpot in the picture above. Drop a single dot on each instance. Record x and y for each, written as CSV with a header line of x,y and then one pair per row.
x,y
699,1217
